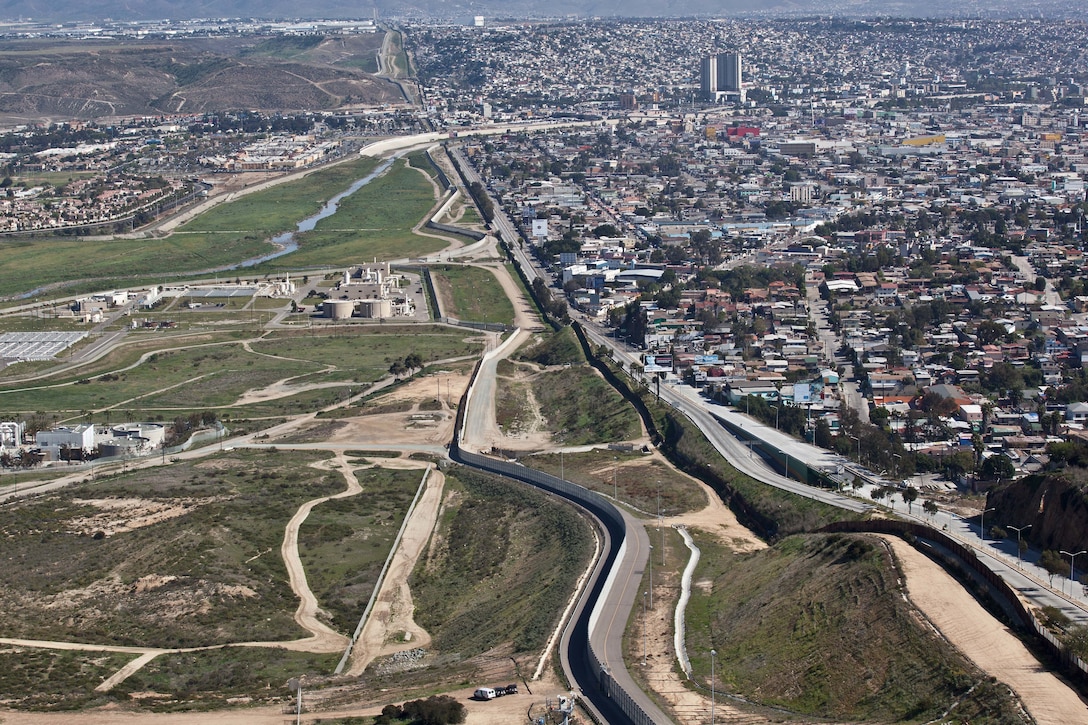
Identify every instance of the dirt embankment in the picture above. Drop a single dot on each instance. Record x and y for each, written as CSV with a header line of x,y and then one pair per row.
x,y
985,641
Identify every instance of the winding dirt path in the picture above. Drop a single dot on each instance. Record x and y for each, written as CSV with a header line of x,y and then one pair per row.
x,y
323,637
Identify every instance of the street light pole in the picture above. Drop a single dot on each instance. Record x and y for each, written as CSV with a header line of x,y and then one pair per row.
x,y
1018,529
650,561
982,522
713,655
775,415
858,441
1072,558
615,489
645,627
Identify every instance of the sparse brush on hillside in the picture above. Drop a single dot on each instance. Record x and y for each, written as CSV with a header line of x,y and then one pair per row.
x,y
505,561
818,625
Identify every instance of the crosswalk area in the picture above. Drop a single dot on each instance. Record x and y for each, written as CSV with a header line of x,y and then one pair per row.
x,y
29,346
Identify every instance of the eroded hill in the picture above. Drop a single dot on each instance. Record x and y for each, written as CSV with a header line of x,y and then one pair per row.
x,y
92,79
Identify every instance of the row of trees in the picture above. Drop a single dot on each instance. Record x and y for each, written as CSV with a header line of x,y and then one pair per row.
x,y
483,200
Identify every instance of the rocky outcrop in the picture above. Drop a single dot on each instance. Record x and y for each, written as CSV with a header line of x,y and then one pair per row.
x,y
1053,504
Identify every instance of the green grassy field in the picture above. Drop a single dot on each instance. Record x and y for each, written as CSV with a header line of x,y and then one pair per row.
x,y
583,408
209,572
215,376
281,207
474,293
375,221
228,233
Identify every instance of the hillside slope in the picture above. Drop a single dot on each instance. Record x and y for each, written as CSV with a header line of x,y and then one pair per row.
x,y
97,78
819,625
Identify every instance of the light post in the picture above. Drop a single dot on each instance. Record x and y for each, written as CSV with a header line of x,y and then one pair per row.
x,y
982,522
713,655
858,440
1072,558
898,465
615,489
645,627
650,561
775,415
1018,529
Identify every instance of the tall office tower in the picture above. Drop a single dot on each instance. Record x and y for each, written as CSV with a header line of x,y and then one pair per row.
x,y
730,73
720,73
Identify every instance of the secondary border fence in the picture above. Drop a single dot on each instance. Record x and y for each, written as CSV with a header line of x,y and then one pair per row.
x,y
958,554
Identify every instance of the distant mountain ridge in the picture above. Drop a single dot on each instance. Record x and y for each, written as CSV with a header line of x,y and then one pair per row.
x,y
463,10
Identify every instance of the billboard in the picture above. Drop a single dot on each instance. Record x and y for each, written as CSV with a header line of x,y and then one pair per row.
x,y
540,227
802,394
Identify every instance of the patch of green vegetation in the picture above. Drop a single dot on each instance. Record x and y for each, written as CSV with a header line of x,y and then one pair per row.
x,y
365,63
215,375
190,378
344,542
470,217
472,293
819,625
205,680
124,356
281,207
513,413
208,572
556,348
401,65
375,221
226,234
188,73
42,679
583,408
506,561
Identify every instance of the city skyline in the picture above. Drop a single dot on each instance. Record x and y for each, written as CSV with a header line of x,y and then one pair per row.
x,y
465,12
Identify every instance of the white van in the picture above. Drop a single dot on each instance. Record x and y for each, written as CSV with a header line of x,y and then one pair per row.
x,y
484,693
